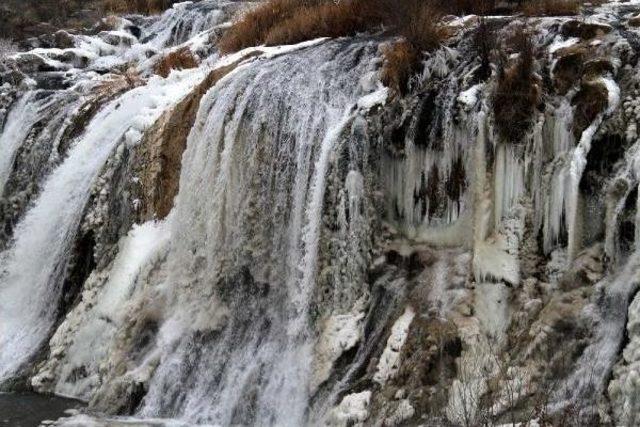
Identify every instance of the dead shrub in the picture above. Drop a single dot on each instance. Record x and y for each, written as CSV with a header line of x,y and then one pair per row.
x,y
421,33
325,19
180,59
485,43
292,21
252,27
421,28
517,93
400,63
551,7
145,7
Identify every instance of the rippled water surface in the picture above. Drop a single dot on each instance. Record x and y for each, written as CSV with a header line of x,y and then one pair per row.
x,y
30,409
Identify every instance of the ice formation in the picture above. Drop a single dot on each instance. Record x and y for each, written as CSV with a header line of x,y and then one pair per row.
x,y
273,237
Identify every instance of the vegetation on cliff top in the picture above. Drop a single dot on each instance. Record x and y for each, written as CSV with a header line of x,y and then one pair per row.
x,y
26,18
416,22
290,21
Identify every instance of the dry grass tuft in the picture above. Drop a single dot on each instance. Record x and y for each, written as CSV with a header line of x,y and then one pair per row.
x,y
421,28
400,63
180,59
145,7
485,43
551,7
418,25
325,19
292,21
253,27
517,93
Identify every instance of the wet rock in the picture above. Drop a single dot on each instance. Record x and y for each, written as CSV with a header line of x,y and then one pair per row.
x,y
584,30
116,38
587,269
29,63
63,40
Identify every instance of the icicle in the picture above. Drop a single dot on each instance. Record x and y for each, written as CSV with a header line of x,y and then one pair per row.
x,y
482,219
533,168
508,182
615,200
563,139
578,164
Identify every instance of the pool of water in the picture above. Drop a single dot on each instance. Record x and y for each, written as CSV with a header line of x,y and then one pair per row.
x,y
30,409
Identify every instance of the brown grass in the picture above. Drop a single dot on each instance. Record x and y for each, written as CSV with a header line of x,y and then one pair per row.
x,y
517,93
145,7
551,7
421,28
418,25
253,27
292,21
400,63
325,19
180,59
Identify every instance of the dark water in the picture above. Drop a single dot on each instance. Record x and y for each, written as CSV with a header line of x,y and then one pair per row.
x,y
30,409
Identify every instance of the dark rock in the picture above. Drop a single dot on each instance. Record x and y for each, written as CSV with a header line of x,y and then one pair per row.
x,y
584,30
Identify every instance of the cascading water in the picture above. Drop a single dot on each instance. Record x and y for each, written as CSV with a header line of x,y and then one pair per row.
x,y
184,22
35,261
36,137
15,131
259,145
337,253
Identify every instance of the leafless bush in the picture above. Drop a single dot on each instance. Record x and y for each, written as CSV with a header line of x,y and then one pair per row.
x,y
400,63
517,93
551,7
180,59
291,21
146,7
485,43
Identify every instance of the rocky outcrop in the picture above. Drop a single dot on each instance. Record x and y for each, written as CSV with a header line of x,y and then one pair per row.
x,y
290,233
158,159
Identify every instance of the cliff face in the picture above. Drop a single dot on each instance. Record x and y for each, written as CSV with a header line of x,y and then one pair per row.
x,y
275,238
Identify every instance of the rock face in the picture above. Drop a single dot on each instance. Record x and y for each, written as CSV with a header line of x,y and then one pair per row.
x,y
275,238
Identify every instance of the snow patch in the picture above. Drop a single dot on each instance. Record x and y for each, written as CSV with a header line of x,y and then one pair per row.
x,y
354,408
469,97
340,333
390,360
